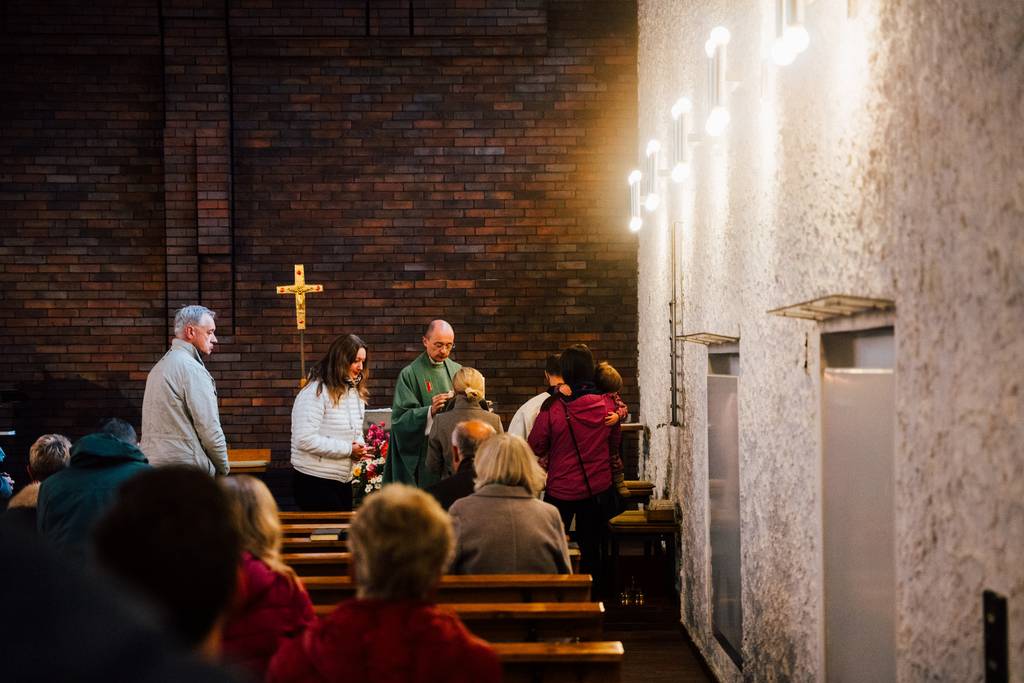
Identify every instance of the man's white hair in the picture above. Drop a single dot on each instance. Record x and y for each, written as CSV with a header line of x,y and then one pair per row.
x,y
190,315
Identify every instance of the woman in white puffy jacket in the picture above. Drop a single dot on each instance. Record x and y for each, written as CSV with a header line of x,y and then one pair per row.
x,y
327,427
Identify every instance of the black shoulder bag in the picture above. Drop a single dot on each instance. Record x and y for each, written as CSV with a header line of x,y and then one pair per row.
x,y
609,502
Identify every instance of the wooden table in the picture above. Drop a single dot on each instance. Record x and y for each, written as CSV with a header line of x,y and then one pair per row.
x,y
634,524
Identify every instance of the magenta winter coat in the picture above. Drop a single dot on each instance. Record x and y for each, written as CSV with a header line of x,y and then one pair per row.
x,y
551,441
269,608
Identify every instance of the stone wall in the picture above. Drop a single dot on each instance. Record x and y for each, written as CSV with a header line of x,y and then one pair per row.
x,y
885,161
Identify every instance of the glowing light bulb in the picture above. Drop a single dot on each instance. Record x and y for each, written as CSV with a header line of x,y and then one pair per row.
x,y
653,146
635,177
797,38
682,106
652,202
782,52
680,172
720,35
718,121
635,223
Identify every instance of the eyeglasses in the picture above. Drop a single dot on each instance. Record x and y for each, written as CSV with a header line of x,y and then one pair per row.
x,y
442,345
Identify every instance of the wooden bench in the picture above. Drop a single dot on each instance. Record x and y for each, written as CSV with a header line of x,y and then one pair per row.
x,y
248,460
306,528
303,544
328,590
597,662
507,622
314,517
318,563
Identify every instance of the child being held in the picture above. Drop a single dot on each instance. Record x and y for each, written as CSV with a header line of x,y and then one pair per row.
x,y
608,381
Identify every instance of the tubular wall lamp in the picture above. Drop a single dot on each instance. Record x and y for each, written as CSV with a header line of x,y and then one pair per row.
x,y
791,37
718,114
650,176
681,112
635,220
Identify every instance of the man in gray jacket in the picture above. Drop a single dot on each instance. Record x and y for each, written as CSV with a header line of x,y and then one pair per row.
x,y
180,420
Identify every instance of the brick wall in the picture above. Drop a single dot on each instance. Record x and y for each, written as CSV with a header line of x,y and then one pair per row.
x,y
447,159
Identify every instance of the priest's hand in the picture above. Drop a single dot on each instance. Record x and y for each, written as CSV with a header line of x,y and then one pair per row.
x,y
438,401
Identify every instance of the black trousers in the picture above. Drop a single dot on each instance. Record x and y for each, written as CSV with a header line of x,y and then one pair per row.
x,y
314,494
591,530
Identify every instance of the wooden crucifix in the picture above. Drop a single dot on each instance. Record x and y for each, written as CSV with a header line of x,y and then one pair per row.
x,y
300,289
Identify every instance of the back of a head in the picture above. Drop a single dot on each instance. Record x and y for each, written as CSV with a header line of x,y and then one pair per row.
x,y
48,455
552,366
170,538
470,382
607,379
401,542
119,429
257,519
467,436
507,459
577,364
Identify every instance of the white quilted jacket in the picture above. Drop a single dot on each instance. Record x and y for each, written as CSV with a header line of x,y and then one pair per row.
x,y
322,433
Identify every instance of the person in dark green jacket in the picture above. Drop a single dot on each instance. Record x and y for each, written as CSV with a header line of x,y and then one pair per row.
x,y
71,500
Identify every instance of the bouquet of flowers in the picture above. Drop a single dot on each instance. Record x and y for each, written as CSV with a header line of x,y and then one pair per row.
x,y
368,473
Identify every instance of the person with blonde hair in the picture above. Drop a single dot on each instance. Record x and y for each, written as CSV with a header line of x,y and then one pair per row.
x,y
392,632
327,427
467,404
503,528
49,454
271,604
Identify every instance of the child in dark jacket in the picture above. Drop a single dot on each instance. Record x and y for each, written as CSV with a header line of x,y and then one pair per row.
x,y
271,604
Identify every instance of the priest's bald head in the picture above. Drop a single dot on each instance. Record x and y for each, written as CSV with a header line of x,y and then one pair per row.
x,y
438,340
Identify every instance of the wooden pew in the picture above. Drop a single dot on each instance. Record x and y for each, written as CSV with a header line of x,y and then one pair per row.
x,y
507,622
597,662
298,529
303,544
318,563
313,517
328,590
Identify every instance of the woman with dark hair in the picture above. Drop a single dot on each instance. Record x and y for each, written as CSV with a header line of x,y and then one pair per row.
x,y
327,427
574,444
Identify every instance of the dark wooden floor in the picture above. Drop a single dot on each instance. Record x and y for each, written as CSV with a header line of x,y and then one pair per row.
x,y
657,649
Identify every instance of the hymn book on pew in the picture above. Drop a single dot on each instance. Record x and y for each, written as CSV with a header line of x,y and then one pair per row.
x,y
325,534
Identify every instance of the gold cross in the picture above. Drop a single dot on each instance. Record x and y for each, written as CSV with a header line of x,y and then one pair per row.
x,y
300,289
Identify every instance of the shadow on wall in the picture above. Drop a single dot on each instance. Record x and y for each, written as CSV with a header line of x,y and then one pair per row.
x,y
70,406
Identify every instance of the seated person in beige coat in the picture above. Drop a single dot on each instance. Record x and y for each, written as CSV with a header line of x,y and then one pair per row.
x,y
502,528
468,387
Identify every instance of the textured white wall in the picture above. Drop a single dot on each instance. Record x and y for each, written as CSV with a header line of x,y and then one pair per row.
x,y
886,161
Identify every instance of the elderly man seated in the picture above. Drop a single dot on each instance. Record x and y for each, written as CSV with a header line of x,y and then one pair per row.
x,y
466,439
401,544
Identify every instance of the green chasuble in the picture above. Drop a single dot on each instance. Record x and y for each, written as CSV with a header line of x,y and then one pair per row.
x,y
418,382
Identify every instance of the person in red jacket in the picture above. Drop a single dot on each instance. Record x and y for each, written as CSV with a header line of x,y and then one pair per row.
x,y
271,604
392,632
576,445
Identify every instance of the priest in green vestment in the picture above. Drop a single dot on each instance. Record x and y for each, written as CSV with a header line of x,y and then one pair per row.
x,y
423,387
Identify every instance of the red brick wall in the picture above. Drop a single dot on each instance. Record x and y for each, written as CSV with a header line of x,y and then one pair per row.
x,y
447,159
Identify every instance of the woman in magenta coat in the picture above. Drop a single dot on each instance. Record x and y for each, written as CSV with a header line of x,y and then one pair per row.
x,y
576,446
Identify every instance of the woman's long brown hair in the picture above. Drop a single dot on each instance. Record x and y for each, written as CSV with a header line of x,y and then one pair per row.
x,y
332,369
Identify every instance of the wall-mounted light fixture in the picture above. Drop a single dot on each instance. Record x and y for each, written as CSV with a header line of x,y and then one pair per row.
x,y
791,37
681,112
635,220
718,114
652,200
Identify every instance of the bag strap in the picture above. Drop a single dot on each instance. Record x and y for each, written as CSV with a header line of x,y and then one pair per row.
x,y
576,446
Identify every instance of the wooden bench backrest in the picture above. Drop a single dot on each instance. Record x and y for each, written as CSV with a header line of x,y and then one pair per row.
x,y
596,662
473,588
525,621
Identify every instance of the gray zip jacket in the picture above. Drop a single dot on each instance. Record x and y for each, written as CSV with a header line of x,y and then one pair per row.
x,y
180,421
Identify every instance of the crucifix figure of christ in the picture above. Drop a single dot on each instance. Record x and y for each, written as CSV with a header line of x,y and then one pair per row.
x,y
300,289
